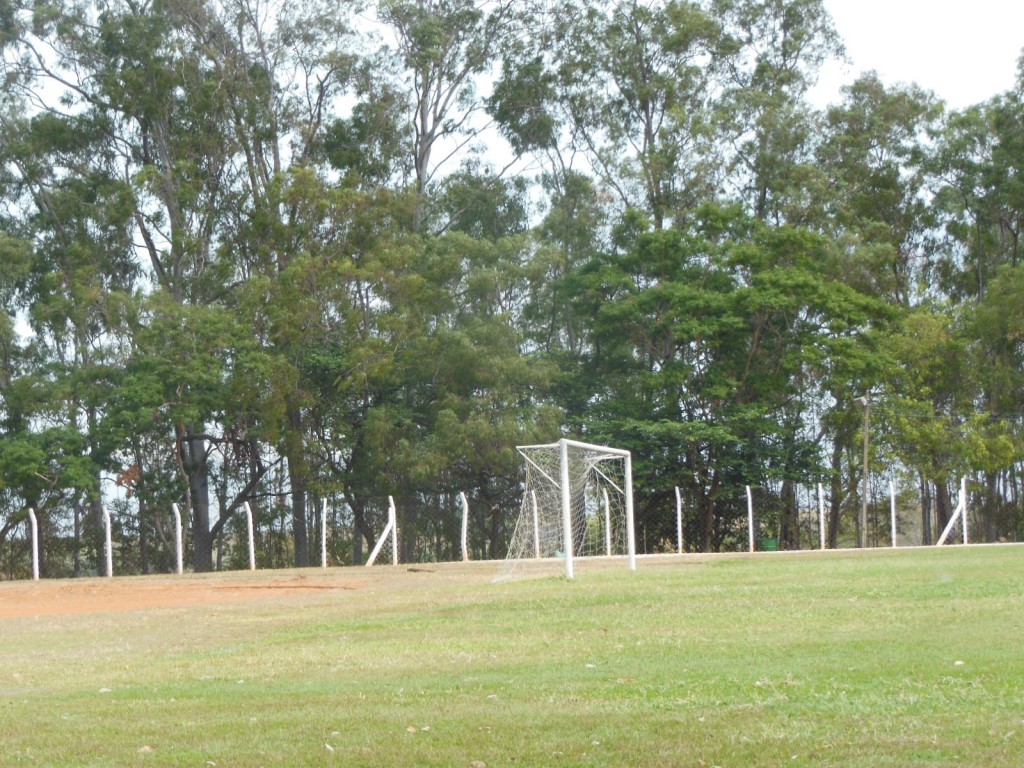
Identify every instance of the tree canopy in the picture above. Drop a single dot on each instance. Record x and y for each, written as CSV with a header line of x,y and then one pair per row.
x,y
305,256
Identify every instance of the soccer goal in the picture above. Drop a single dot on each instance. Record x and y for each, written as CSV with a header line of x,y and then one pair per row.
x,y
578,502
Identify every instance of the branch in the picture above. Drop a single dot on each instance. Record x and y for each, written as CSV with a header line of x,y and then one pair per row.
x,y
240,498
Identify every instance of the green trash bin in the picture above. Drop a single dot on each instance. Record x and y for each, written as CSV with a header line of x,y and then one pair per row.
x,y
769,544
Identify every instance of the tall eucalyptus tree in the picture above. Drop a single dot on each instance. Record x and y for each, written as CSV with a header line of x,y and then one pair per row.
x,y
777,47
874,156
627,86
446,47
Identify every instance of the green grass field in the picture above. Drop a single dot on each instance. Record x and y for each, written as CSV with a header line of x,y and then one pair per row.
x,y
881,658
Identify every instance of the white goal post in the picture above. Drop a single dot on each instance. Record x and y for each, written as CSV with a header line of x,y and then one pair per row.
x,y
578,502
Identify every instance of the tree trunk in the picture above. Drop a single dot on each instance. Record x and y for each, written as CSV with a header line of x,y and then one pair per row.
x,y
194,463
707,512
297,478
358,528
790,538
835,491
927,538
78,540
143,541
943,505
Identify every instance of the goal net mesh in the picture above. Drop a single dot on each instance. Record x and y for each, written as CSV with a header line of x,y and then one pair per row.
x,y
597,504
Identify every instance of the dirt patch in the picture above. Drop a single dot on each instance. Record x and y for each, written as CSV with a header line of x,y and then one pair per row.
x,y
132,593
76,596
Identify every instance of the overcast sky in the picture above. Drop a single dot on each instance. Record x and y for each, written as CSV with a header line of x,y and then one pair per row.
x,y
965,51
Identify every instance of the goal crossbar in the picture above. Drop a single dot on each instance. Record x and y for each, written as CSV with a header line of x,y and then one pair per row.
x,y
577,444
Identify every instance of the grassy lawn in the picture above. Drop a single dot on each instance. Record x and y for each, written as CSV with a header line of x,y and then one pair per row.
x,y
882,658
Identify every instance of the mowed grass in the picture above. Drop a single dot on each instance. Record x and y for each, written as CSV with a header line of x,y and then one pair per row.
x,y
880,658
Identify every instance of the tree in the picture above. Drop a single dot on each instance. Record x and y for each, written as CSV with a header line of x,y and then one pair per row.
x,y
621,91
997,328
874,157
777,48
195,109
445,45
79,285
569,236
979,196
926,390
129,70
711,346
979,202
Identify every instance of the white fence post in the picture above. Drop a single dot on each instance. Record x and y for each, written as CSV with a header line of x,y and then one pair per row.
x,y
963,503
536,526
393,522
750,518
465,527
892,511
679,520
960,511
323,534
821,516
108,547
252,543
178,557
34,528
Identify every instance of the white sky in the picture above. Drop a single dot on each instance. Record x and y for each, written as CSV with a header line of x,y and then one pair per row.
x,y
963,51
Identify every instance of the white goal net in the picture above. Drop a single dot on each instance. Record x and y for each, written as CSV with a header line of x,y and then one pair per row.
x,y
578,502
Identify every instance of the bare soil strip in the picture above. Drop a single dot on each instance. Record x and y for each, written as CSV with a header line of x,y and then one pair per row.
x,y
77,596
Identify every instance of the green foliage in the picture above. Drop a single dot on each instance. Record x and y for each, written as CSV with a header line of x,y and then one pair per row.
x,y
708,346
932,370
874,154
518,103
481,205
269,256
186,359
367,146
15,262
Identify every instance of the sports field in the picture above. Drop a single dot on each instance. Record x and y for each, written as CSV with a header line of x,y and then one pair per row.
x,y
877,658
